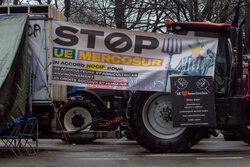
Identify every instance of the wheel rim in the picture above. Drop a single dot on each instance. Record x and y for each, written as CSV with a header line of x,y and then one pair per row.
x,y
157,117
76,118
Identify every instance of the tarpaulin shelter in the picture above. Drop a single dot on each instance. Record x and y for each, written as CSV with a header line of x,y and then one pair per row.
x,y
14,69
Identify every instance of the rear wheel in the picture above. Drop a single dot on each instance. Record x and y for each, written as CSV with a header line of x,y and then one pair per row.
x,y
152,124
76,115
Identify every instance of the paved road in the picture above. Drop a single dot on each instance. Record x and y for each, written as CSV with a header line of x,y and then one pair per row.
x,y
123,153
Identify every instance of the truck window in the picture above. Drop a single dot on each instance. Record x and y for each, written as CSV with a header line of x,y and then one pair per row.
x,y
222,65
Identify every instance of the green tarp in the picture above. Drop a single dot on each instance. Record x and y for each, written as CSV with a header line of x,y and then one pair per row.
x,y
14,69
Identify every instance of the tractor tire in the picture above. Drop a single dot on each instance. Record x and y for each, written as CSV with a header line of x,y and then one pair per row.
x,y
244,134
75,115
151,124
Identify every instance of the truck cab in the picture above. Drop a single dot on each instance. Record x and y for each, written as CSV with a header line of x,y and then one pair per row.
x,y
224,58
230,104
228,67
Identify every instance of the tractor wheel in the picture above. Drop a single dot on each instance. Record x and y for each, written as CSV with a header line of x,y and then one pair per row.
x,y
75,115
152,126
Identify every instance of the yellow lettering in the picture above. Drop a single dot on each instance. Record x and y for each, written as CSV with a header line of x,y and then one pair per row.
x,y
156,63
83,56
144,60
136,61
56,52
128,58
96,57
116,61
96,66
106,58
68,53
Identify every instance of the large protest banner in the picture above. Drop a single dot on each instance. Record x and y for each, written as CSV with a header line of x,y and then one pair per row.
x,y
106,58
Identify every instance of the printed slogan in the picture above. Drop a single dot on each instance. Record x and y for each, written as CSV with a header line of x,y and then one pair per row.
x,y
105,58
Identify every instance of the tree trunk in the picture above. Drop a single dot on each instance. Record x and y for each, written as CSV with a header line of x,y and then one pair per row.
x,y
206,11
15,2
67,9
247,25
178,10
40,2
196,11
119,14
56,3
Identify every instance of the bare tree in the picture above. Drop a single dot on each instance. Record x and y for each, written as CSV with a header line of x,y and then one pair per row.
x,y
56,4
119,12
40,2
15,2
67,4
147,15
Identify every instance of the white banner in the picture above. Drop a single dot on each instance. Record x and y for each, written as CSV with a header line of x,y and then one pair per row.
x,y
36,50
105,58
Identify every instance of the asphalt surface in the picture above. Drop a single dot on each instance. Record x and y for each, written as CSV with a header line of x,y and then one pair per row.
x,y
123,153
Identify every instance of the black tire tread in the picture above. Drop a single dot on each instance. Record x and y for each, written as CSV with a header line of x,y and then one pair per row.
x,y
181,143
87,103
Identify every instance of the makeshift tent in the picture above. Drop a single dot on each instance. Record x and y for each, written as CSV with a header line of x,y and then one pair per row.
x,y
14,69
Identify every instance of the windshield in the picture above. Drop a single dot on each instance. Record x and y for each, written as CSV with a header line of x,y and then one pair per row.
x,y
223,66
